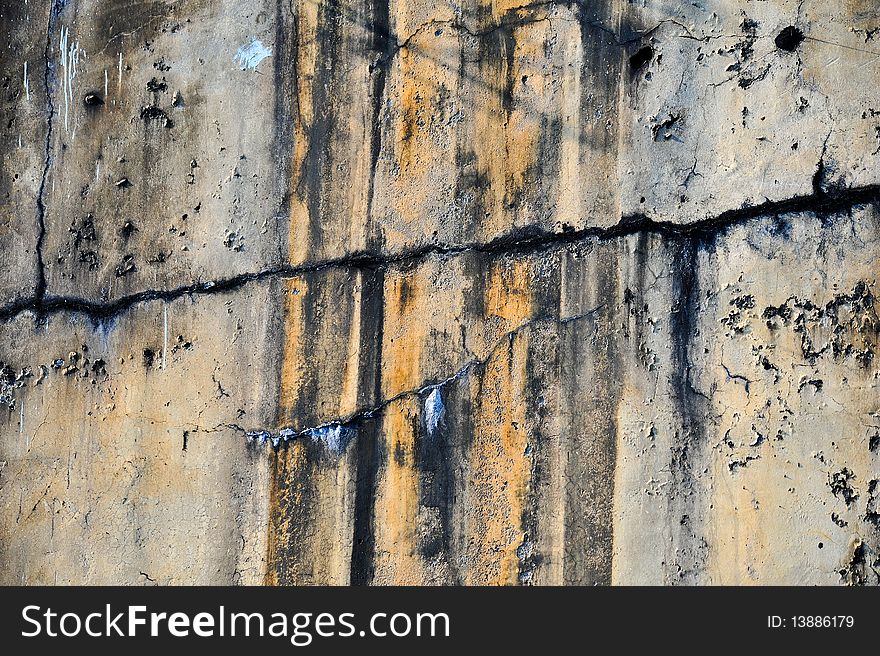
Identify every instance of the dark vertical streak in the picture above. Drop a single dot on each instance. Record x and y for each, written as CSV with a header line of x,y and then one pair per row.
x,y
591,350
372,321
470,184
317,164
381,45
433,460
286,71
506,52
591,368
542,362
291,514
686,550
304,410
372,316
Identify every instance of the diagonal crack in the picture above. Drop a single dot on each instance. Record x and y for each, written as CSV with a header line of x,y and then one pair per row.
x,y
262,436
518,241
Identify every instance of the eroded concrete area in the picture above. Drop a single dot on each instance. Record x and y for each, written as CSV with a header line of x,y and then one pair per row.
x,y
418,293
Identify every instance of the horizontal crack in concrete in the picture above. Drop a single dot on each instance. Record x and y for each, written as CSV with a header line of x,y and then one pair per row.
x,y
523,240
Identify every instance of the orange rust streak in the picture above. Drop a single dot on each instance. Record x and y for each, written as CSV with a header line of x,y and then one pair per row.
x,y
407,133
307,54
506,145
397,501
508,296
296,293
501,470
405,334
283,496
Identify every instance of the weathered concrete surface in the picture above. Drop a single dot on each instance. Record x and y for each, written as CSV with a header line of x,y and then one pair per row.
x,y
135,467
172,174
406,292
24,151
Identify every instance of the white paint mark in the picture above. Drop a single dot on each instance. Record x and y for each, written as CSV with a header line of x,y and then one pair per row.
x,y
259,437
97,170
334,437
19,141
120,72
165,343
106,93
434,410
69,60
27,86
251,54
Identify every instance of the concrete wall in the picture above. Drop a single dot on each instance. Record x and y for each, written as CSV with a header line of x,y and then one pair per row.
x,y
331,292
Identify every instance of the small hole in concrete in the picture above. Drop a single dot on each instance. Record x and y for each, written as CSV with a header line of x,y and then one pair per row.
x,y
641,57
93,100
789,39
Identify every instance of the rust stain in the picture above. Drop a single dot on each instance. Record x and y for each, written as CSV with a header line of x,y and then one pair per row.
x,y
397,499
501,470
299,208
412,96
405,332
311,503
293,364
307,49
285,492
509,296
421,68
290,464
507,139
500,8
